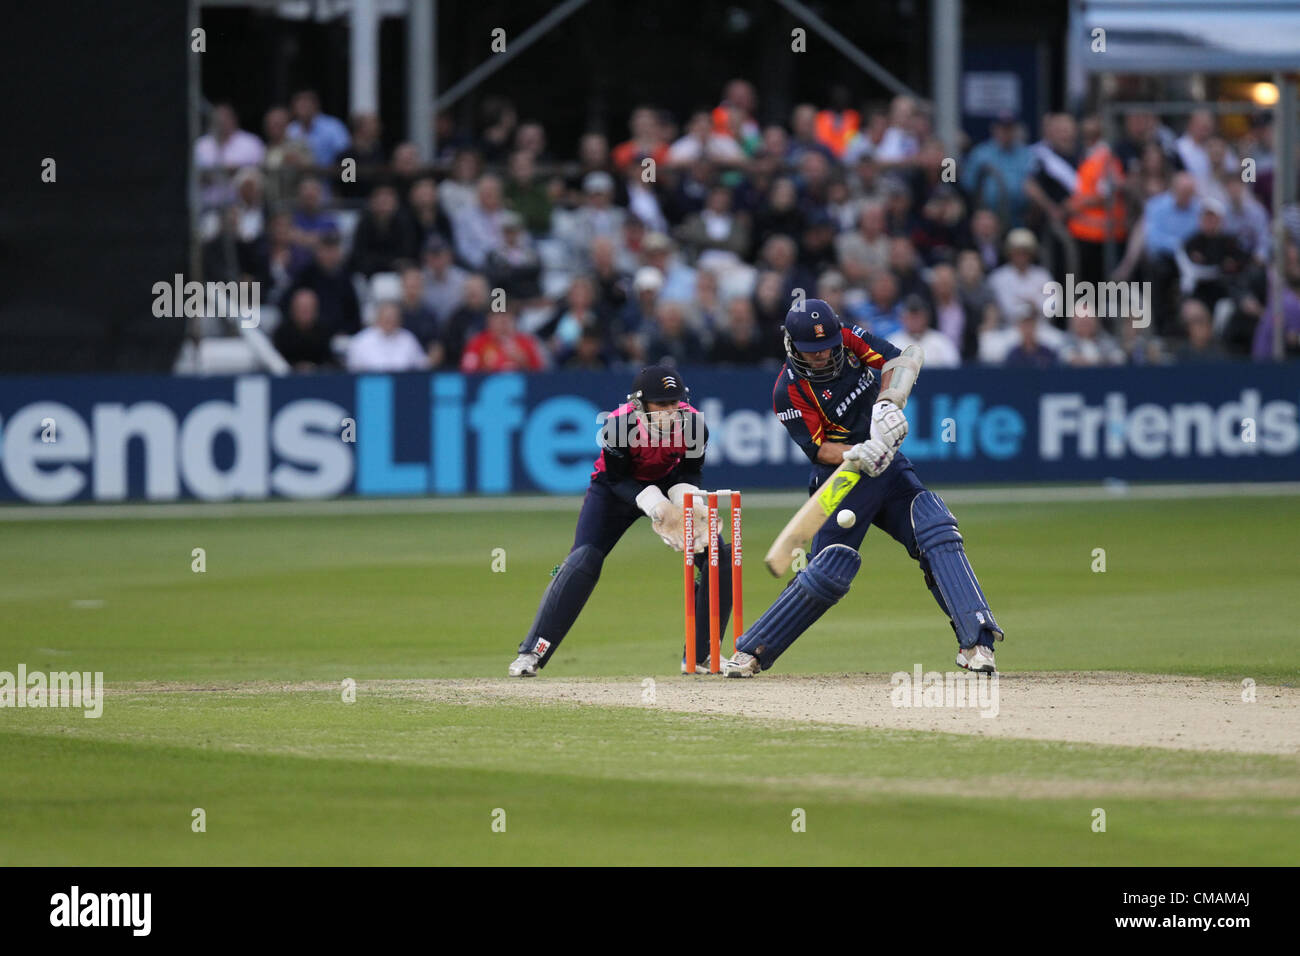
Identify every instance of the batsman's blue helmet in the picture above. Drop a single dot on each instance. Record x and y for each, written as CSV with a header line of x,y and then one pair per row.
x,y
812,326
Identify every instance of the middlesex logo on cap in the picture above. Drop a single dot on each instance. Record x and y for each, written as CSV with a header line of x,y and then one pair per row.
x,y
668,382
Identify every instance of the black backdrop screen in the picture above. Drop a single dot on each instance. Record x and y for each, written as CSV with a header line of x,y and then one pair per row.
x,y
100,88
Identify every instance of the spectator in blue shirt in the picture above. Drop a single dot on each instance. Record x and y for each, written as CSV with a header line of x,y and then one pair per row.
x,y
998,168
1168,221
326,135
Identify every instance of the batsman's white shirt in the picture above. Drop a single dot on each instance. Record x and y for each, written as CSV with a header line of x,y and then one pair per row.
x,y
371,350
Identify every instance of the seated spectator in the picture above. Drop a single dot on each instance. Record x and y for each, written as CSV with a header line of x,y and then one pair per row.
x,y
974,291
499,123
367,151
986,238
705,311
458,193
1029,352
426,213
612,284
867,140
646,141
310,219
527,195
285,160
501,347
514,265
671,341
406,167
571,317
1020,282
702,141
657,250
900,141
1087,345
1245,218
780,254
326,275
326,135
867,249
882,313
817,248
477,226
386,346
467,320
915,330
1264,341
995,171
940,230
905,264
444,282
781,215
771,304
222,150
1217,260
715,228
598,216
300,337
590,354
1200,344
417,317
954,319
633,323
383,235
738,343
803,135
593,157
1167,222
275,259
643,199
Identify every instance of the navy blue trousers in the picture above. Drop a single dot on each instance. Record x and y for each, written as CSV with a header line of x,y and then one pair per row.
x,y
884,501
602,522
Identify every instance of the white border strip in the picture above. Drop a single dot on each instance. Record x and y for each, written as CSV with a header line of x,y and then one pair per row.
x,y
1038,494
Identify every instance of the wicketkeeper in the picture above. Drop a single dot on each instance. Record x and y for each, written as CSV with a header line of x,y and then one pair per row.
x,y
840,396
651,454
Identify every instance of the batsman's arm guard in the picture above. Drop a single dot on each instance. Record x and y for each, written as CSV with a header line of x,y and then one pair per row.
x,y
906,369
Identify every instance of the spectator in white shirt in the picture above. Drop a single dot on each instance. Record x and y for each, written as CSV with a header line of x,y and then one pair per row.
x,y
386,346
916,330
1020,282
227,147
220,152
703,142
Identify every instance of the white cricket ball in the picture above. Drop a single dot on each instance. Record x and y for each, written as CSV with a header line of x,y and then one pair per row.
x,y
846,518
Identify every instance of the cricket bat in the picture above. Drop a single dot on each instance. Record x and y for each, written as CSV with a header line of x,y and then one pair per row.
x,y
810,517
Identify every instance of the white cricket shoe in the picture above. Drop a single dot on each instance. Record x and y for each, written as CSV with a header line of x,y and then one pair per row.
x,y
525,665
978,658
699,668
741,664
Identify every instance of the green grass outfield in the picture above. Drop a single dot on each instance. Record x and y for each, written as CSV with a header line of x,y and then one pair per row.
x,y
1203,587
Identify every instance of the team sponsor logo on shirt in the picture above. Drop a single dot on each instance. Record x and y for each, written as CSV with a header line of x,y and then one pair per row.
x,y
864,383
788,415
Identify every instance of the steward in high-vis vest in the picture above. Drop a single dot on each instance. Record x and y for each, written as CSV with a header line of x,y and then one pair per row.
x,y
1097,211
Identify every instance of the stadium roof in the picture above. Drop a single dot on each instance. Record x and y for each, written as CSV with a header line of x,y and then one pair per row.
x,y
1186,36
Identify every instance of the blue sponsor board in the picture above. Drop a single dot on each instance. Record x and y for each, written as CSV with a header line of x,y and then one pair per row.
x,y
112,438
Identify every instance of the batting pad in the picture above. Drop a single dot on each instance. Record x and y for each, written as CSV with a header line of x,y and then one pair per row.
x,y
941,548
808,596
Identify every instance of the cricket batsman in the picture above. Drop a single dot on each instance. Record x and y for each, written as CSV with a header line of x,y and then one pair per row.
x,y
651,454
839,395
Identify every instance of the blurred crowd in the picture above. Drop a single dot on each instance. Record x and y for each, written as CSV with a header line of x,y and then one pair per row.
x,y
687,241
